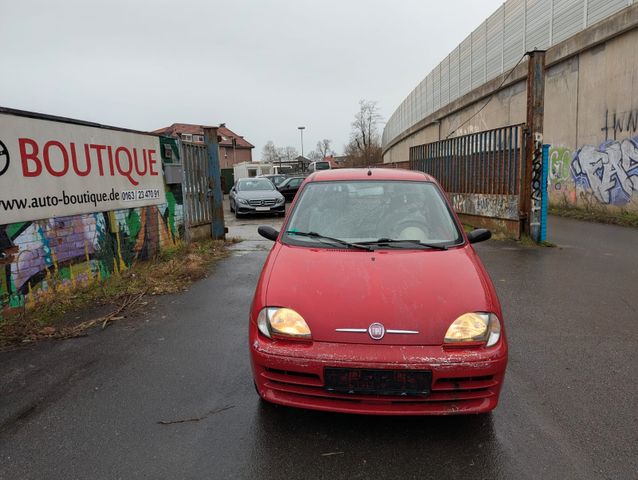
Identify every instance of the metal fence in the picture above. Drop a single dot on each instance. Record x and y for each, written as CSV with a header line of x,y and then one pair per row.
x,y
487,162
494,48
197,201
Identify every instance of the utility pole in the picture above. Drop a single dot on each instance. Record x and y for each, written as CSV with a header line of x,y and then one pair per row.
x,y
532,188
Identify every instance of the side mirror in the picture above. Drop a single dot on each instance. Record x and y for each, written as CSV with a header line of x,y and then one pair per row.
x,y
268,232
479,235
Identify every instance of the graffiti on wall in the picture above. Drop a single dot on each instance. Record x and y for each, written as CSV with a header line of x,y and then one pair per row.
x,y
44,257
559,175
496,206
619,122
610,170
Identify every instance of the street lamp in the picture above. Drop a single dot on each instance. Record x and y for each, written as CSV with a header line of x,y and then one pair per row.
x,y
301,129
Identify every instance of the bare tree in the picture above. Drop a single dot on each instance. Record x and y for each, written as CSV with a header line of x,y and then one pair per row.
x,y
323,148
314,155
364,147
269,153
288,153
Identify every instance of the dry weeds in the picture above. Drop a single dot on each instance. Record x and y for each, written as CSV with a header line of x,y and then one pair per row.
x,y
61,316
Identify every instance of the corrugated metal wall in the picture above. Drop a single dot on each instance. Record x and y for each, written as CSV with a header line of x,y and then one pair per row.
x,y
495,47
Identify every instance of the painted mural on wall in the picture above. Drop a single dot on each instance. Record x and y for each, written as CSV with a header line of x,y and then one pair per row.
x,y
610,170
47,256
606,174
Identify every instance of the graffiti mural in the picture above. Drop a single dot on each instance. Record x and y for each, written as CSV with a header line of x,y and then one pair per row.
x,y
497,206
43,257
559,175
609,171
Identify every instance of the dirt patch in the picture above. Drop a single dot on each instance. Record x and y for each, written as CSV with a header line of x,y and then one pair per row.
x,y
122,294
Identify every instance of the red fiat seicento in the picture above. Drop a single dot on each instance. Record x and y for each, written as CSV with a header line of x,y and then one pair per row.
x,y
373,301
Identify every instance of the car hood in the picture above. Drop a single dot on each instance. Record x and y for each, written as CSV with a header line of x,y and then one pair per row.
x,y
258,194
416,290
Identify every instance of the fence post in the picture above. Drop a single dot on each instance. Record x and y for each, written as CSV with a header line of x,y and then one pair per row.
x,y
530,199
214,183
544,197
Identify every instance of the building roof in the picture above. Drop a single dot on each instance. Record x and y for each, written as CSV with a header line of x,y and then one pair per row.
x,y
303,159
223,132
335,161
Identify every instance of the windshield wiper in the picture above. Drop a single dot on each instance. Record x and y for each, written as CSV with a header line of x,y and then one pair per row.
x,y
389,241
320,237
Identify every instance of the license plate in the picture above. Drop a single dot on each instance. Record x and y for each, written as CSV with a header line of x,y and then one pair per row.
x,y
377,382
262,209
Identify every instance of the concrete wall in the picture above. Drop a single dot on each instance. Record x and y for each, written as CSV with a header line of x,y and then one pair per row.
x,y
591,115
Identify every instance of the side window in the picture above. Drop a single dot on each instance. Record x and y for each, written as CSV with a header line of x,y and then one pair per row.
x,y
295,183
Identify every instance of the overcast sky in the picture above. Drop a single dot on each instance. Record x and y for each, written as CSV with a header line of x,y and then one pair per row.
x,y
262,67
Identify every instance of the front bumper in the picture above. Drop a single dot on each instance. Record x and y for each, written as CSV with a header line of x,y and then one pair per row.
x,y
249,209
463,381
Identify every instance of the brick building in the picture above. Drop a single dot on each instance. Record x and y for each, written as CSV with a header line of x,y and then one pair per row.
x,y
233,148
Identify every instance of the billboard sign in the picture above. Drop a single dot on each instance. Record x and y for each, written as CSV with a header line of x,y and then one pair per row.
x,y
53,168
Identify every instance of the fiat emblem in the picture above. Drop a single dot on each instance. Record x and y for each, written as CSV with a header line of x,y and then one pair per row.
x,y
376,331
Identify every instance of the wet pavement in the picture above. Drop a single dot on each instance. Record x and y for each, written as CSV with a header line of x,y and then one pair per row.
x,y
169,395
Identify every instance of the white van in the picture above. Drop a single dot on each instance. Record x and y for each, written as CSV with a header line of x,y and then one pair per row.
x,y
316,166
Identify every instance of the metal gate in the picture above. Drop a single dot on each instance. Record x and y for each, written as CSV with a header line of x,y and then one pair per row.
x,y
197,196
481,172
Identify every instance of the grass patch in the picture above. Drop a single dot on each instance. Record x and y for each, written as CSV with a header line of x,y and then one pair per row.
x,y
600,215
172,271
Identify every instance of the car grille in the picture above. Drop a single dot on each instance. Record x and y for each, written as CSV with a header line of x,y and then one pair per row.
x,y
456,390
262,203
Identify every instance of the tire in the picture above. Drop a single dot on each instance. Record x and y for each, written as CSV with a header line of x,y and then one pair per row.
x,y
232,210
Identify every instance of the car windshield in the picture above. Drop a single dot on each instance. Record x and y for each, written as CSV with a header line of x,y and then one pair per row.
x,y
390,214
254,184
288,181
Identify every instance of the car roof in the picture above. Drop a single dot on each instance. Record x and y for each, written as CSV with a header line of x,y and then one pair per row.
x,y
251,179
376,174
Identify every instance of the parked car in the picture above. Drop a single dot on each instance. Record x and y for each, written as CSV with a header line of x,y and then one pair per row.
x,y
289,187
276,179
317,166
255,195
373,301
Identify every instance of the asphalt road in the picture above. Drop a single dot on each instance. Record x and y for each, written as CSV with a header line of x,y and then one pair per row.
x,y
102,407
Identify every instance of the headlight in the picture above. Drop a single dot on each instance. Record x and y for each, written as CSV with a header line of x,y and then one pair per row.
x,y
282,322
243,201
280,200
474,328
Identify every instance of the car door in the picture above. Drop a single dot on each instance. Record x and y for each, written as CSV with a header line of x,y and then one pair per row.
x,y
291,188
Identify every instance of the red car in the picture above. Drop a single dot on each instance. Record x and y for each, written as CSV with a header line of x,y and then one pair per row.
x,y
373,301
